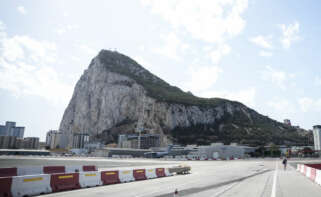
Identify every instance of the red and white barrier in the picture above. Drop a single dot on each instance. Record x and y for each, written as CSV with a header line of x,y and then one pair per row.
x,y
310,171
71,169
30,185
63,182
110,177
5,189
126,176
7,172
139,174
29,170
90,179
318,177
151,173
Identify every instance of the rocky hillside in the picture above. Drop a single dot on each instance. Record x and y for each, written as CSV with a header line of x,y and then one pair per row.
x,y
115,92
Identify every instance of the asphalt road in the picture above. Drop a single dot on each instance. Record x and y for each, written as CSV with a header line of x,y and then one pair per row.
x,y
244,178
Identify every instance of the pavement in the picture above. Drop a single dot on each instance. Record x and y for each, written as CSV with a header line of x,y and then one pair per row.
x,y
244,178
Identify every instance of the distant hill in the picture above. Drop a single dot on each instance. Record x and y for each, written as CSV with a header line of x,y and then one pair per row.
x,y
115,92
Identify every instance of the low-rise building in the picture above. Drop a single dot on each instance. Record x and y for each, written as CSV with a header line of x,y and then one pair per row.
x,y
132,141
31,143
53,139
7,142
10,129
79,140
317,137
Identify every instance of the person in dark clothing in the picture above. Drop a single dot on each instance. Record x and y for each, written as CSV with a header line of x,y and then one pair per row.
x,y
285,161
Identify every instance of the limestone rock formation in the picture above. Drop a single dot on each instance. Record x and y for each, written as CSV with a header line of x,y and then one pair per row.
x,y
115,93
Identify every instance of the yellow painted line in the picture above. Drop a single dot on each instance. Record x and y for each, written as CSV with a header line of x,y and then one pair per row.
x,y
151,170
139,171
126,172
33,179
65,177
110,173
90,174
161,169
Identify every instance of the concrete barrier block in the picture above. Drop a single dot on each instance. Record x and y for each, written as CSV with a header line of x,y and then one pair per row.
x,y
30,185
90,179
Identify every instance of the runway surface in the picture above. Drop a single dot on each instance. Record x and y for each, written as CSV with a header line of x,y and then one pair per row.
x,y
244,178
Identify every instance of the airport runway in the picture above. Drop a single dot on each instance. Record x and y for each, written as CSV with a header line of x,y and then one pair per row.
x,y
244,178
101,163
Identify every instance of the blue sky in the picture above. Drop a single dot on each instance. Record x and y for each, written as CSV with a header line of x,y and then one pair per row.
x,y
263,53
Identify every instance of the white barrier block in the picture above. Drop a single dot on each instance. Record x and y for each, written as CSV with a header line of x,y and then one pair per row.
x,y
71,169
30,185
90,179
302,169
126,176
318,177
151,173
298,167
167,173
308,172
21,171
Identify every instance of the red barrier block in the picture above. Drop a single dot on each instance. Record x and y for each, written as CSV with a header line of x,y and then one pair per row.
x,y
53,169
304,169
139,174
8,172
316,166
63,182
160,172
5,186
110,177
89,168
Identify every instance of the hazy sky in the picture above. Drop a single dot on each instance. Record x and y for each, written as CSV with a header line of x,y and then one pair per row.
x,y
264,53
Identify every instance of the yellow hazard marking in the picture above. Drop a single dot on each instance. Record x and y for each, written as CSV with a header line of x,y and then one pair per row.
x,y
110,173
139,171
90,174
151,170
33,179
126,172
65,177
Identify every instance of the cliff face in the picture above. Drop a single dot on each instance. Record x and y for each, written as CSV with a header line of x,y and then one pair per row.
x,y
115,93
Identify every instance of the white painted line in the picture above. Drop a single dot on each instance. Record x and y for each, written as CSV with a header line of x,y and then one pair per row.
x,y
273,193
225,189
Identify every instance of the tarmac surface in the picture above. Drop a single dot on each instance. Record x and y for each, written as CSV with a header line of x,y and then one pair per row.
x,y
244,178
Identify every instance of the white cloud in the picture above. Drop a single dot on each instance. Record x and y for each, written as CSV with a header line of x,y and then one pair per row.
x,y
201,78
246,96
290,34
262,41
278,77
64,29
317,81
309,104
171,47
265,54
208,20
88,50
281,105
25,68
216,55
22,10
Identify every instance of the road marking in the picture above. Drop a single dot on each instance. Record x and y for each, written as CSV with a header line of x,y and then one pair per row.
x,y
225,189
273,193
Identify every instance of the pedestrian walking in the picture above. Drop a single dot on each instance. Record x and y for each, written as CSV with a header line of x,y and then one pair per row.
x,y
284,162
